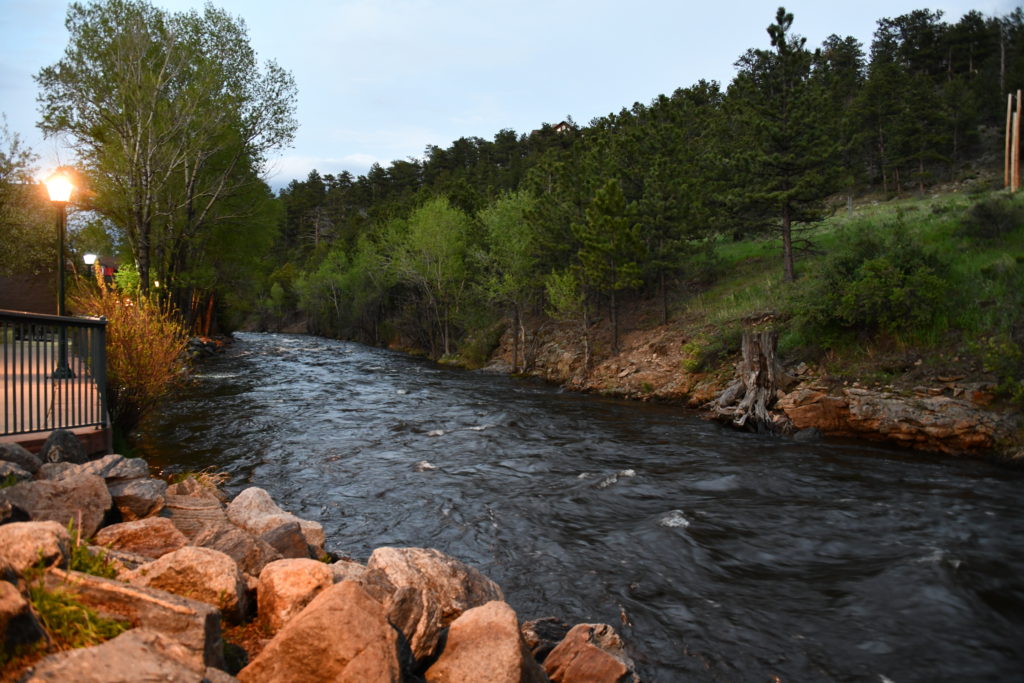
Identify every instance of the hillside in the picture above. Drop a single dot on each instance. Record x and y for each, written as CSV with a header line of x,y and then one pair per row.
x,y
906,323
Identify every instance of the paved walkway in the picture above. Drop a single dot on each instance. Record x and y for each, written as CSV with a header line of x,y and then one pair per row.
x,y
33,403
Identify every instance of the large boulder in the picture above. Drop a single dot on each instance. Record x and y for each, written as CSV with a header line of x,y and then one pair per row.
x,y
152,537
484,644
250,553
194,624
200,574
18,623
192,514
347,569
16,453
543,635
114,468
591,653
135,655
255,511
446,588
63,446
286,587
138,498
23,544
84,500
342,635
288,540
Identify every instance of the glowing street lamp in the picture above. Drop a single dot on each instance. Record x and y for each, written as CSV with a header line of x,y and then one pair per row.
x,y
90,259
59,187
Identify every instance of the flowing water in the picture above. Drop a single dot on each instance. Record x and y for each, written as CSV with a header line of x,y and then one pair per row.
x,y
719,556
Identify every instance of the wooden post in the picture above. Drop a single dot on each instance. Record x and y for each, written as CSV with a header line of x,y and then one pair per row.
x,y
1006,146
1015,151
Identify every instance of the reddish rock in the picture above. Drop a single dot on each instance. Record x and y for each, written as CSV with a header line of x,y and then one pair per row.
x,y
200,574
346,569
590,653
342,635
255,511
152,537
484,644
446,586
192,514
286,587
542,635
252,554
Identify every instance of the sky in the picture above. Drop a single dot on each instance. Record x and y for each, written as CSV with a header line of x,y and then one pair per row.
x,y
380,80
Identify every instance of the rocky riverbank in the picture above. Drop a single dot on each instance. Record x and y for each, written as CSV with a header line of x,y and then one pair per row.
x,y
205,588
919,405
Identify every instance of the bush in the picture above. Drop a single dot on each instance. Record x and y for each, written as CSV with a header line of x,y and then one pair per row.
x,y
877,280
992,218
146,343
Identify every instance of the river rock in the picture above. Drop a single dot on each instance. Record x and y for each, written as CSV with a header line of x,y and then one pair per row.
x,y
115,468
446,586
286,587
13,471
138,498
934,423
192,514
250,553
18,623
16,453
346,569
135,655
342,635
201,574
542,635
288,540
484,644
85,498
23,544
152,537
591,653
63,446
255,511
193,623
52,471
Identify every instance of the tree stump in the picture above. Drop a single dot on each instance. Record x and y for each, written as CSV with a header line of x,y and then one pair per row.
x,y
748,401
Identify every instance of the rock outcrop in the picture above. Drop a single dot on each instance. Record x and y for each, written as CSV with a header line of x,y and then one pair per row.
x,y
255,511
590,652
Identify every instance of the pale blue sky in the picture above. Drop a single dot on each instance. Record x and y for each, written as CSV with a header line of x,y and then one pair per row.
x,y
381,79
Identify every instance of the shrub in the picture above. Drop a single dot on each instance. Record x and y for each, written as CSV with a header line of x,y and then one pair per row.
x,y
877,280
992,218
146,342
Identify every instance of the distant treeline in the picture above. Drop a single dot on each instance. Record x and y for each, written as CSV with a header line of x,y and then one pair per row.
x,y
570,219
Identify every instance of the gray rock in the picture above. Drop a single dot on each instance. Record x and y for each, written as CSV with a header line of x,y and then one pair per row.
x,y
342,635
484,644
135,655
446,586
194,624
52,471
542,635
12,469
255,511
116,468
200,574
23,544
12,452
63,446
84,500
287,539
138,498
249,552
18,623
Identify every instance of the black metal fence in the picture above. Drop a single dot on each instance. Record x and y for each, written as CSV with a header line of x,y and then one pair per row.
x,y
53,372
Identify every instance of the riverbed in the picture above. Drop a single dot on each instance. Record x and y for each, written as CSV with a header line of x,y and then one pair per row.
x,y
718,555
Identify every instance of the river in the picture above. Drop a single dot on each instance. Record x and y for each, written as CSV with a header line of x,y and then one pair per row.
x,y
719,556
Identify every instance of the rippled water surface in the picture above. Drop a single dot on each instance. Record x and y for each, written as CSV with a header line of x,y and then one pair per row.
x,y
719,556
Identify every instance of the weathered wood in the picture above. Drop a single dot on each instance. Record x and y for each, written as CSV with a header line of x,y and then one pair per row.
x,y
1006,146
760,378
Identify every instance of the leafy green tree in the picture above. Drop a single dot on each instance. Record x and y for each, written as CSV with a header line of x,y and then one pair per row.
x,y
513,279
779,113
26,220
170,114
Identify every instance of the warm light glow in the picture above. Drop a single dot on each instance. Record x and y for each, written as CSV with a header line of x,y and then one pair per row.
x,y
156,283
59,186
89,259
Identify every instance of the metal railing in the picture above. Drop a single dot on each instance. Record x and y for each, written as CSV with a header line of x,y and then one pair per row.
x,y
53,372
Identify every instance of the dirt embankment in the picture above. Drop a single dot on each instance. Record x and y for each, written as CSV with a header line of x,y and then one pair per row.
x,y
944,406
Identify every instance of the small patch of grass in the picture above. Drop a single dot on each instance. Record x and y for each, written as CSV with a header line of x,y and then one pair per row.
x,y
83,559
208,478
68,622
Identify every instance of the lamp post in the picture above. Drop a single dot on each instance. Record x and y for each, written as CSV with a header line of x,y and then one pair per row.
x,y
59,187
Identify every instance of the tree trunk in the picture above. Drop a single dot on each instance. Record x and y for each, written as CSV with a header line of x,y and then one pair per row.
x,y
789,274
515,339
760,377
